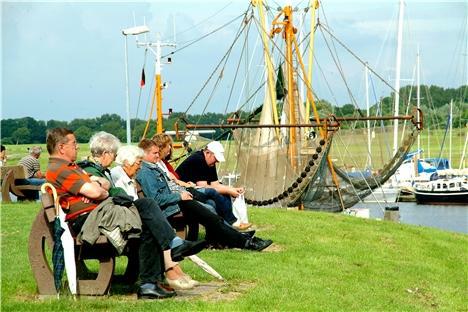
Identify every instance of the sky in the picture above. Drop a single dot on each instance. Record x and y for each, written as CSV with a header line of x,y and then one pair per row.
x,y
66,60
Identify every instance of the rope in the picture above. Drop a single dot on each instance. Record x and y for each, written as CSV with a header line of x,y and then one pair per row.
x,y
201,22
204,36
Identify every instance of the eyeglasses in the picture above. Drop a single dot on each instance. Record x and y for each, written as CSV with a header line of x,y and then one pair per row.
x,y
73,143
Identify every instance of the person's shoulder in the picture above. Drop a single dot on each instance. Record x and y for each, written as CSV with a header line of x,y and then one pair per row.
x,y
195,157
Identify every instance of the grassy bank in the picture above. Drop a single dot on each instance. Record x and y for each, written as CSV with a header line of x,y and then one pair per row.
x,y
319,261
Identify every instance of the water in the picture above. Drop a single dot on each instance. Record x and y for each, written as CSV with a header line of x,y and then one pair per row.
x,y
446,217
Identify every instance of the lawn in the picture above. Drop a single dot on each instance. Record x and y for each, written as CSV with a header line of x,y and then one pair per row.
x,y
319,262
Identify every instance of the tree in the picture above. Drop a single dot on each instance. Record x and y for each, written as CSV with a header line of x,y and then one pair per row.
x,y
21,135
83,134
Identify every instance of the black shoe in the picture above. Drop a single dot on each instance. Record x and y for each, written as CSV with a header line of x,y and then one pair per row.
x,y
258,244
188,248
249,234
156,292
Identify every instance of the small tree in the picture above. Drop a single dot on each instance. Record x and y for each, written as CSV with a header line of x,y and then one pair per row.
x,y
21,135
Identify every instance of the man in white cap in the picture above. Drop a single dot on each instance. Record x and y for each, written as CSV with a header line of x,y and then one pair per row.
x,y
200,168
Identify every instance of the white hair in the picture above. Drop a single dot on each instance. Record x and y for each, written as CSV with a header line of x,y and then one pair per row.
x,y
102,142
129,154
35,150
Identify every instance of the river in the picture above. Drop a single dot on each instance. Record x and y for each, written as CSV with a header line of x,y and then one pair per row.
x,y
446,217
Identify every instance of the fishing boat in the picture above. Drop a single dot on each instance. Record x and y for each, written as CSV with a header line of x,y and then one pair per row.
x,y
444,191
284,144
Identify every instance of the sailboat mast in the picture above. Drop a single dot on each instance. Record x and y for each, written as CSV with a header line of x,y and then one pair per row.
x,y
397,77
369,159
418,95
450,132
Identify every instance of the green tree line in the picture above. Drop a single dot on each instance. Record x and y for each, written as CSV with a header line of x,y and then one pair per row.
x,y
434,103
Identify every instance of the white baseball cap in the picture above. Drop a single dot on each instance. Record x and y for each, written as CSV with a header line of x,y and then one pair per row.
x,y
217,149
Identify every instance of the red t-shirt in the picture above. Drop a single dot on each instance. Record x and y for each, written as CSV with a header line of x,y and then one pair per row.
x,y
171,169
68,179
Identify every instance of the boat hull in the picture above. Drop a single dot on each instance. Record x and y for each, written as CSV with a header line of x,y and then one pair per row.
x,y
442,198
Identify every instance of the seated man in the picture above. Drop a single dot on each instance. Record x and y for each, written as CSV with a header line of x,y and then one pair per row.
x,y
200,168
34,175
80,194
154,183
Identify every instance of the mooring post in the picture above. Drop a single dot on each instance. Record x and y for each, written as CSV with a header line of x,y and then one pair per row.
x,y
392,214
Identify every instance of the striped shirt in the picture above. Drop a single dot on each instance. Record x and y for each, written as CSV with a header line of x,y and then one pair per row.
x,y
68,179
31,164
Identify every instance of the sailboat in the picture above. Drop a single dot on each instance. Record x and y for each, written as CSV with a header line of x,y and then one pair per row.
x,y
285,150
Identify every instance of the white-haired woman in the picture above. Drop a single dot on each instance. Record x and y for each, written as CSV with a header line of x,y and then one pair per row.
x,y
129,160
157,234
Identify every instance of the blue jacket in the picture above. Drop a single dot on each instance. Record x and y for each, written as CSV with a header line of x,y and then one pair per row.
x,y
154,185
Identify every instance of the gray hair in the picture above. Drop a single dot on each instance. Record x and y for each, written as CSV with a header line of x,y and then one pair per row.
x,y
129,154
35,150
102,142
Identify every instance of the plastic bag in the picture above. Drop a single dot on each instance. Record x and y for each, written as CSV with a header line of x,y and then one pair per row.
x,y
239,208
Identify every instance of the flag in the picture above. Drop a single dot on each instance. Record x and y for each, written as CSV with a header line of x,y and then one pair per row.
x,y
142,81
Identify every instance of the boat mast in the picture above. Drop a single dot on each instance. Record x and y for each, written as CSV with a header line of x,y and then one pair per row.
x,y
286,26
418,96
369,159
397,77
156,48
450,133
311,54
289,31
289,35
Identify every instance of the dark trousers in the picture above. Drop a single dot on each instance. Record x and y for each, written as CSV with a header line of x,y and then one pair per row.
x,y
216,230
223,204
156,237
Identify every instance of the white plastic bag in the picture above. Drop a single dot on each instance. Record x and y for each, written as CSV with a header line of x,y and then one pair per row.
x,y
239,208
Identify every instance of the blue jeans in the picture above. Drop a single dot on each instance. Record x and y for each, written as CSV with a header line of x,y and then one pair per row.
x,y
223,204
30,194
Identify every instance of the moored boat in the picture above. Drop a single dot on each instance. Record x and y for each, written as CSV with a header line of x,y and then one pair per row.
x,y
442,191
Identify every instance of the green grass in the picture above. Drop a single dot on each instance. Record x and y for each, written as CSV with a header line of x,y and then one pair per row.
x,y
319,262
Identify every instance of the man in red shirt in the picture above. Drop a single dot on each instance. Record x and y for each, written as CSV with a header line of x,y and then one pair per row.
x,y
79,193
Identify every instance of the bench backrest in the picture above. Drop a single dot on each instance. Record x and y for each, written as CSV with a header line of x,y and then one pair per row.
x,y
19,172
49,207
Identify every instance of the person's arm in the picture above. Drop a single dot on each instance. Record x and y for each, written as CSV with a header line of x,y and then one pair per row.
x,y
93,190
156,188
103,182
223,189
38,174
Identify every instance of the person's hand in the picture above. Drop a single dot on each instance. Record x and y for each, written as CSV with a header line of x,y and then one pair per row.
x,y
186,196
85,200
236,191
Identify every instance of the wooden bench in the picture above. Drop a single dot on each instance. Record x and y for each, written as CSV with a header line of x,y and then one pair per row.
x,y
88,283
10,178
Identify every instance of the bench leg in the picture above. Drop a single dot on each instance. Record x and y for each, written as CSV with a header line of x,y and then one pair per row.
x,y
39,236
100,285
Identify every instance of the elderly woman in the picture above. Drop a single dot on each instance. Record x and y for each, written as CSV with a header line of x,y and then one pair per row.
x,y
157,234
154,183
